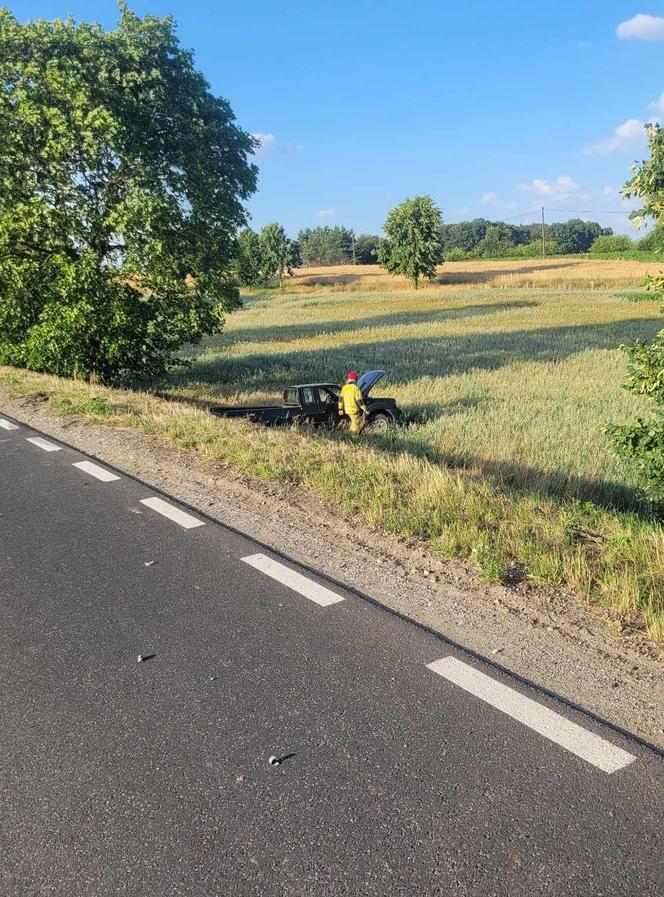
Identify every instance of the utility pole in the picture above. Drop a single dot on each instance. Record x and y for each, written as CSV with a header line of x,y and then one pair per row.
x,y
543,236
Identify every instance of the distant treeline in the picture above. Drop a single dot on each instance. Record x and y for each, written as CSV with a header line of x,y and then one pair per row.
x,y
271,254
480,238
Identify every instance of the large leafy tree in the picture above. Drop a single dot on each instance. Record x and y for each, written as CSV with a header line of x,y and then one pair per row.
x,y
643,440
413,243
122,181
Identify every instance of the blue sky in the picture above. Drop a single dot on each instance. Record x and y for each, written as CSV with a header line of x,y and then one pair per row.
x,y
492,108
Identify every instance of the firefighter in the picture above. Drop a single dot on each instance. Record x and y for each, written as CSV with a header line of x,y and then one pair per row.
x,y
351,403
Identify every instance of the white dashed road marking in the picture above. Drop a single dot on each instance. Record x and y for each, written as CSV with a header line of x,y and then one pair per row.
x,y
295,581
180,517
44,444
556,728
100,473
7,424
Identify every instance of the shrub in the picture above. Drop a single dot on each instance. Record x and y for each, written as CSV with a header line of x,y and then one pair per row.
x,y
643,440
653,242
534,250
615,243
456,255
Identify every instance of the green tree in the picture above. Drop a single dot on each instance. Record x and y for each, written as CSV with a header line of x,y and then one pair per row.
x,y
643,440
122,181
413,240
249,261
294,257
275,248
320,246
366,249
497,241
575,235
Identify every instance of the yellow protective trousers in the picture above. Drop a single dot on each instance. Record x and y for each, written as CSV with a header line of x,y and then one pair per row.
x,y
355,423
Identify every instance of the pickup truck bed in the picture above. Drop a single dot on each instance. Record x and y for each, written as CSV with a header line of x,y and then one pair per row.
x,y
315,404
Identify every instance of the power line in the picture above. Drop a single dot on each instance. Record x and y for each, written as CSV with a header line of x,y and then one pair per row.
x,y
522,215
592,211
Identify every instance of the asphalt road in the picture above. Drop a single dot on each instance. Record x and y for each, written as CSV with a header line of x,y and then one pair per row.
x,y
153,778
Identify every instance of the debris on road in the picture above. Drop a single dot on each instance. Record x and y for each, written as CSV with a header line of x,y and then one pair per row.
x,y
148,563
143,658
277,761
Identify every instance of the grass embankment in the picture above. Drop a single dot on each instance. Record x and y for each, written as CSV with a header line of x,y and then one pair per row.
x,y
504,461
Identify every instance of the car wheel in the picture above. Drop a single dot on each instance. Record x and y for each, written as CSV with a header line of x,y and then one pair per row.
x,y
379,423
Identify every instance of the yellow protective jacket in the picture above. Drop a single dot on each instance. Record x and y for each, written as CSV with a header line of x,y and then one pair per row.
x,y
351,400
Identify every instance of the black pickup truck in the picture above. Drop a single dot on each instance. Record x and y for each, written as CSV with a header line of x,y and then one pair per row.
x,y
316,404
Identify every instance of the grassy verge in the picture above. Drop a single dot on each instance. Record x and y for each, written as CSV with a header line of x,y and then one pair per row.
x,y
604,556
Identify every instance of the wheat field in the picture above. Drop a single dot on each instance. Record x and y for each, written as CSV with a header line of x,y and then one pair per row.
x,y
505,389
510,383
561,273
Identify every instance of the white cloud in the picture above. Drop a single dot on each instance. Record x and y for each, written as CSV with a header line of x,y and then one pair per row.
x,y
658,105
626,136
270,146
642,27
326,214
489,199
562,188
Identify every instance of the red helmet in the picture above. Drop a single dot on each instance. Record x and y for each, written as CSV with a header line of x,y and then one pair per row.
x,y
352,377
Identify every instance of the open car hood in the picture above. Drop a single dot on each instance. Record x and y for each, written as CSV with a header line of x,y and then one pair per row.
x,y
368,380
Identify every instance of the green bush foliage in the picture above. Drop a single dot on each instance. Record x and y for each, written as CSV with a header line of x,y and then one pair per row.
x,y
613,243
122,181
654,241
643,440
456,255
